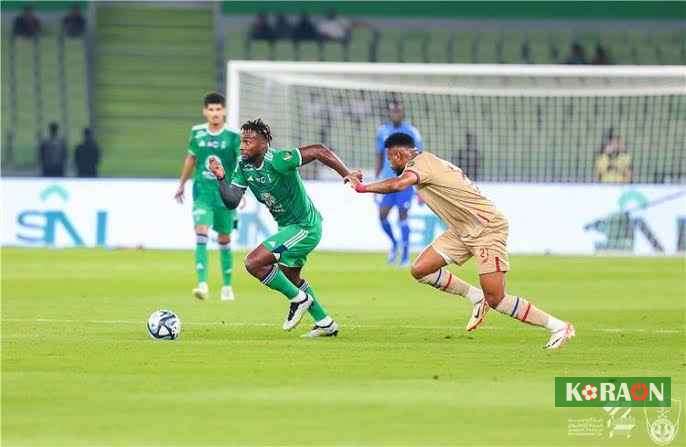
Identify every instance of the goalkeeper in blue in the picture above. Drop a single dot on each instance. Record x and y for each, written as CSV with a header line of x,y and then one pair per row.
x,y
272,176
402,200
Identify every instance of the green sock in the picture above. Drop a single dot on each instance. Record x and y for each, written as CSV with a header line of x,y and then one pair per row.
x,y
226,258
316,309
276,280
201,257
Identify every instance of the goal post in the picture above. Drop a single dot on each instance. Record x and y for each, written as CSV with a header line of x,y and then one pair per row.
x,y
522,123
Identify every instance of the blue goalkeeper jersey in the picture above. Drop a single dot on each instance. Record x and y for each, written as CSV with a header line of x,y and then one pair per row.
x,y
386,130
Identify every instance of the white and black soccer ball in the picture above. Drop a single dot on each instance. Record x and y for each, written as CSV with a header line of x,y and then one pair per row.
x,y
164,325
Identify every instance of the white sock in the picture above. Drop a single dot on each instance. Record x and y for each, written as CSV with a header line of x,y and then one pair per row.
x,y
327,320
521,309
474,295
444,280
554,325
299,297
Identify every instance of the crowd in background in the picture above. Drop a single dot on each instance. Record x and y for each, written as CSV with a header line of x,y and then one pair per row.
x,y
331,27
577,55
612,164
334,28
53,154
28,24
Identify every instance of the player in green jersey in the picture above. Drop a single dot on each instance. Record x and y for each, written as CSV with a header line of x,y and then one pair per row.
x,y
272,176
211,144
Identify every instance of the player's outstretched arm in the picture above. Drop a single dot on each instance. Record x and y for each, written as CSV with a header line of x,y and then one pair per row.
x,y
231,194
328,158
391,185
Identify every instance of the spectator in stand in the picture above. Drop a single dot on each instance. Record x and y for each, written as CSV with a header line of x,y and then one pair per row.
x,y
305,29
613,164
576,56
600,57
73,24
27,24
87,156
469,159
261,29
335,28
282,27
52,154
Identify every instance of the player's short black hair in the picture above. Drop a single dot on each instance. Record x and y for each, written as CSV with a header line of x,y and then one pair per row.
x,y
214,98
259,127
399,139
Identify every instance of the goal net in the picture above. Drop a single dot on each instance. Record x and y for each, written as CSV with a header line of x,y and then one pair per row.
x,y
500,123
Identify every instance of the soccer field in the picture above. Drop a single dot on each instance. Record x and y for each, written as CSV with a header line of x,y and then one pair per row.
x,y
79,369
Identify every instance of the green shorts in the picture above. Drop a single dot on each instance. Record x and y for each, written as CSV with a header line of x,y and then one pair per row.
x,y
220,218
293,243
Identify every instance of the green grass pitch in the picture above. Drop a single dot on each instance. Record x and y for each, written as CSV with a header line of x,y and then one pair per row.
x,y
79,369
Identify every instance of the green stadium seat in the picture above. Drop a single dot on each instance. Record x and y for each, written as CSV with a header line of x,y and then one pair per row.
x,y
512,42
486,47
307,51
284,50
362,38
260,50
462,46
234,45
539,46
334,52
411,47
389,45
438,45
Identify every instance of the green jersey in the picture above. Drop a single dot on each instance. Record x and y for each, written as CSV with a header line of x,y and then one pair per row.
x,y
223,146
277,184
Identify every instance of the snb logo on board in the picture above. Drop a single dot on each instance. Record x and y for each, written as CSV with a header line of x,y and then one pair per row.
x,y
613,391
54,225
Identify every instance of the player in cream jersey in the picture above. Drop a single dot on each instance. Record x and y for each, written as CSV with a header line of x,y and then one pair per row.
x,y
475,229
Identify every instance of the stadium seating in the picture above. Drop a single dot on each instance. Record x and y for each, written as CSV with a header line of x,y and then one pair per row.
x,y
154,62
441,45
154,65
32,68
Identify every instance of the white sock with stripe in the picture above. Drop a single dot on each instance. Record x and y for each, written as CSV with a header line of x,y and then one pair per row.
x,y
521,309
444,280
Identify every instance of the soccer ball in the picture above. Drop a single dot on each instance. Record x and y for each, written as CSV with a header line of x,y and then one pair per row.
x,y
164,325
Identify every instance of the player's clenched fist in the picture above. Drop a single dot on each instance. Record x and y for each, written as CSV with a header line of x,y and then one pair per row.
x,y
216,168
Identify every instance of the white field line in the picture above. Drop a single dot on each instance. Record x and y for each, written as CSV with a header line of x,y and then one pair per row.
x,y
276,324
